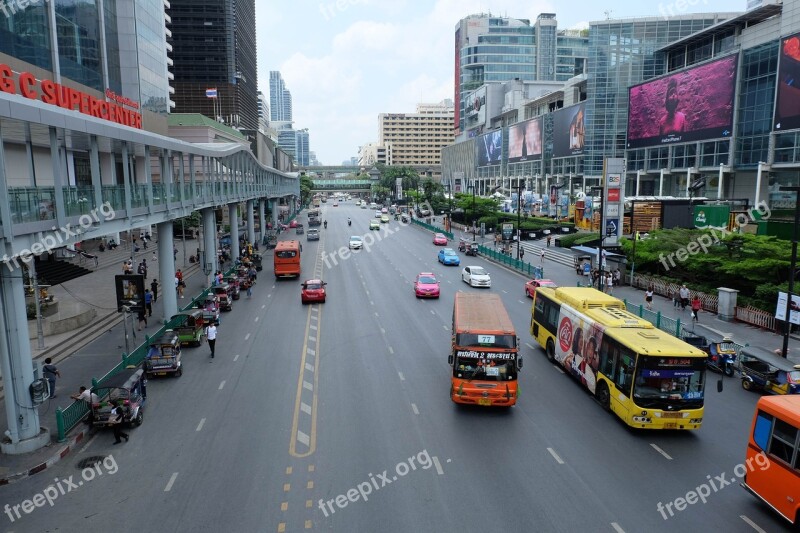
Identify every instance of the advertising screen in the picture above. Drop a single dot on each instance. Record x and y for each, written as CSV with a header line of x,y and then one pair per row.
x,y
489,148
691,105
787,106
525,141
568,131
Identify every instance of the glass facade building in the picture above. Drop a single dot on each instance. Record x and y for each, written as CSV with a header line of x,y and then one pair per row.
x,y
280,99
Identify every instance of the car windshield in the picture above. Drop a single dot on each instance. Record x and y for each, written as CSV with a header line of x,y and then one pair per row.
x,y
439,236
313,285
448,252
478,271
428,280
355,238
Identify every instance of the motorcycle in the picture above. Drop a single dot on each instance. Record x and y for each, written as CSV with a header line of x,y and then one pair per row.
x,y
325,224
349,222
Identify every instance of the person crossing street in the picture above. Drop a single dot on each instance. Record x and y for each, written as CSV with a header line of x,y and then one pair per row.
x,y
211,336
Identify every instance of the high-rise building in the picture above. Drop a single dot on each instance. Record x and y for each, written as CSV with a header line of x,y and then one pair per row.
x,y
134,33
214,47
263,112
302,147
498,49
287,141
371,153
280,98
416,139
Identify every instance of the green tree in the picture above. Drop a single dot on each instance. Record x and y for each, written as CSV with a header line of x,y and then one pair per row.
x,y
381,193
306,184
475,207
389,175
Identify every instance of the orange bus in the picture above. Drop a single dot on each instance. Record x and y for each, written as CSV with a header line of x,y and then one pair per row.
x,y
485,352
287,259
774,447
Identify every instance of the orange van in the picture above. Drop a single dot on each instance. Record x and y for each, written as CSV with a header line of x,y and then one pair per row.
x,y
287,259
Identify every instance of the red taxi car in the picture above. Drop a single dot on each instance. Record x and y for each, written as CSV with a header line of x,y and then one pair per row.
x,y
312,290
439,239
532,285
426,285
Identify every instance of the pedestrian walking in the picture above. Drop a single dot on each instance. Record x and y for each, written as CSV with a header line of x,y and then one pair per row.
x,y
154,289
648,297
118,417
142,319
148,302
543,256
609,284
617,277
521,252
144,242
155,257
548,240
50,372
250,290
211,337
179,284
142,269
684,295
696,306
174,254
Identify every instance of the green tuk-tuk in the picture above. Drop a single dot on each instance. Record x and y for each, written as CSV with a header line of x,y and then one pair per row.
x,y
189,325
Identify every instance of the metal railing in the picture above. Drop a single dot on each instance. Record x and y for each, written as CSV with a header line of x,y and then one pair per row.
x,y
536,272
432,228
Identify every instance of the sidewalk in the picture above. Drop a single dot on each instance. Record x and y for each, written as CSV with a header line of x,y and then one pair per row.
x,y
97,357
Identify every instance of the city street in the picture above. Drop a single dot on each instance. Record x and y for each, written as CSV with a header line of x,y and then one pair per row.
x,y
336,417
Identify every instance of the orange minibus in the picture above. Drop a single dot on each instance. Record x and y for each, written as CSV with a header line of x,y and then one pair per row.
x,y
287,259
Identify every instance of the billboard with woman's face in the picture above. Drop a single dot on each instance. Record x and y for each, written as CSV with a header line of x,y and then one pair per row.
x,y
525,141
489,148
569,131
692,105
787,106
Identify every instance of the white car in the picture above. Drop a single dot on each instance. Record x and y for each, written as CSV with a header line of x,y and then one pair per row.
x,y
378,213
476,276
355,242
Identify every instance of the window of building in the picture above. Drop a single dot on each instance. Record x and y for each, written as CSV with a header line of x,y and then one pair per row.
x,y
786,148
714,153
756,106
683,156
658,158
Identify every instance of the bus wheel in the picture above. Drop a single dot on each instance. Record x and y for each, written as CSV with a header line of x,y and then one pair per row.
x,y
603,396
551,350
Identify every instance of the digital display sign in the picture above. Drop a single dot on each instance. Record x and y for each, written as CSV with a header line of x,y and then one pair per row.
x,y
787,106
489,148
569,130
691,105
525,141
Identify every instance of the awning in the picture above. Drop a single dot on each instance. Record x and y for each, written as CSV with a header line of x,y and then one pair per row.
x,y
593,251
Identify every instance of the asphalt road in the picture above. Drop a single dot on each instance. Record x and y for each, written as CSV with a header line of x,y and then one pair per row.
x,y
305,406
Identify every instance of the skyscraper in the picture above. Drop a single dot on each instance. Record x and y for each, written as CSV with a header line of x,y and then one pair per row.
x,y
497,49
263,112
302,147
214,47
280,99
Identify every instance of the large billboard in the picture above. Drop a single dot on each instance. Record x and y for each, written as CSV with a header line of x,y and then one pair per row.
x,y
691,105
525,141
787,106
489,147
475,105
569,131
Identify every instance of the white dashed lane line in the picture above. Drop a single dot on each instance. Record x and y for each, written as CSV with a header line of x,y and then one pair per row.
x,y
221,385
170,482
662,452
200,425
555,456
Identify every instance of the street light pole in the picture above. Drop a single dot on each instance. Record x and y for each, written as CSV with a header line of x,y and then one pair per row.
x,y
787,325
601,280
519,216
635,238
473,212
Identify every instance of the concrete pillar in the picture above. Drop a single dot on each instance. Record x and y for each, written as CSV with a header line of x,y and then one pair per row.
x,y
17,367
233,218
251,222
273,206
166,270
726,309
261,219
209,242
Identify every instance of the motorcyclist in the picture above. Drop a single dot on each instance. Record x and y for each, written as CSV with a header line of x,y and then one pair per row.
x,y
325,224
349,222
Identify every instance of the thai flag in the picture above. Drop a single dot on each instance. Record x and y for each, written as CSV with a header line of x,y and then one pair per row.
x,y
211,93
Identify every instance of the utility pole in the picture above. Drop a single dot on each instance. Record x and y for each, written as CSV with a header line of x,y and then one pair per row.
x,y
519,216
787,325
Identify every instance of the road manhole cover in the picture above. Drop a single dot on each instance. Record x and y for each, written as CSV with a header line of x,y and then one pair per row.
x,y
90,461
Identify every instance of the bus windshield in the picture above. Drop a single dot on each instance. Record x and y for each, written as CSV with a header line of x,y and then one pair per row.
x,y
477,340
662,380
485,366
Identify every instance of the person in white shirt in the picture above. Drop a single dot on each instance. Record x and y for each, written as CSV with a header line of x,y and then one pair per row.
x,y
86,396
211,336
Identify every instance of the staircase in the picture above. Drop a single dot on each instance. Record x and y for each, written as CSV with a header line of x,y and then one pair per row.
x,y
57,272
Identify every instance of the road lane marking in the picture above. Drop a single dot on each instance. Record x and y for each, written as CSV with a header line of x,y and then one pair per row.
x,y
383,331
529,345
309,367
617,527
313,327
438,465
83,449
284,506
307,385
306,352
376,314
391,350
433,312
288,470
504,291
662,452
170,482
302,437
372,303
558,368
257,318
247,336
235,357
221,385
264,306
305,408
414,408
402,378
445,328
200,425
520,301
310,351
312,338
555,456
752,524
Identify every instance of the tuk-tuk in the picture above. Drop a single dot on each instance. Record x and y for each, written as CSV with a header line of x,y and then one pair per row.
x,y
462,245
190,326
164,355
233,281
129,388
224,294
764,370
298,230
472,249
256,259
210,309
271,239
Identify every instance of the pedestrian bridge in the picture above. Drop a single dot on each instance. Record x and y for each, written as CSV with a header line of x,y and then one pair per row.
x,y
341,185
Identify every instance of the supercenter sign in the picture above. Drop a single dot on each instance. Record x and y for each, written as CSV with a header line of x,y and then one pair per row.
x,y
53,93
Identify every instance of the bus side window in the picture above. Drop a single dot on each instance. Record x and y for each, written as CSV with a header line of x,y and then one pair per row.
x,y
783,444
606,359
762,430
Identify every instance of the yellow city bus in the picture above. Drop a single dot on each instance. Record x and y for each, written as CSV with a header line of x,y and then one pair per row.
x,y
645,376
485,347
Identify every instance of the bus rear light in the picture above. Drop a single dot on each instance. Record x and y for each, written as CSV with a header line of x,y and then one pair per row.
x,y
642,420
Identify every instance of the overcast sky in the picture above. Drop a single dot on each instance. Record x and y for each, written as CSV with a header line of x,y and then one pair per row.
x,y
346,61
